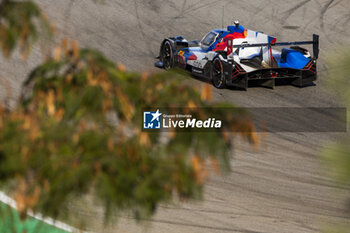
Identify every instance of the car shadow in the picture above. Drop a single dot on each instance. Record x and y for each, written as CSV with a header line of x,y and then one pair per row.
x,y
254,84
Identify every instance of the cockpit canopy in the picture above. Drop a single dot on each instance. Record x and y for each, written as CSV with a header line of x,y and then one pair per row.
x,y
208,40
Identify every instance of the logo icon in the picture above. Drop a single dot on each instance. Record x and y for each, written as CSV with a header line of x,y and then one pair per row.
x,y
151,120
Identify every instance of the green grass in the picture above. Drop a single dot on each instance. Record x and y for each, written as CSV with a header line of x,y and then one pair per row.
x,y
10,223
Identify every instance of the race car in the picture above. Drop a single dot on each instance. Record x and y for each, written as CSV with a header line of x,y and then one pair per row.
x,y
236,56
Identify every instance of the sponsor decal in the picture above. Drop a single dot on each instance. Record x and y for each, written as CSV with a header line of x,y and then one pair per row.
x,y
194,70
198,64
182,60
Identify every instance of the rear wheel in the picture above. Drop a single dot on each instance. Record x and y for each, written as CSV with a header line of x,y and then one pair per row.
x,y
217,74
167,55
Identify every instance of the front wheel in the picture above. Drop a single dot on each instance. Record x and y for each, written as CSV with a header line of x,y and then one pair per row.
x,y
167,55
217,74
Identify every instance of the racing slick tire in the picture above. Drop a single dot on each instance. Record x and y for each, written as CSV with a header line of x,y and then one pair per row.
x,y
167,55
217,74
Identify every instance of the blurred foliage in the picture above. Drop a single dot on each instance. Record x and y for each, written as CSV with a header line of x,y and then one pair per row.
x,y
21,22
336,227
337,154
77,130
339,71
12,223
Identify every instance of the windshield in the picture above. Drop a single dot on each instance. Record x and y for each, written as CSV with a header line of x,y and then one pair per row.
x,y
208,39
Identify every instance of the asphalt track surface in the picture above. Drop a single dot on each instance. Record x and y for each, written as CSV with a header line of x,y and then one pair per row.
x,y
281,186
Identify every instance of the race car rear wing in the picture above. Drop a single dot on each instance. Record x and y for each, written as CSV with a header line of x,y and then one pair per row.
x,y
314,42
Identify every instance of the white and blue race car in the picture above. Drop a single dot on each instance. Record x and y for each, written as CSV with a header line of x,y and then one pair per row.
x,y
235,56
